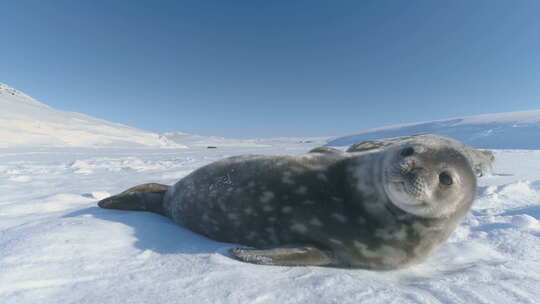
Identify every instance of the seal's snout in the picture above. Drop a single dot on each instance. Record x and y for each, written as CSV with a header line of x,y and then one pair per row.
x,y
409,162
429,179
415,183
415,171
406,167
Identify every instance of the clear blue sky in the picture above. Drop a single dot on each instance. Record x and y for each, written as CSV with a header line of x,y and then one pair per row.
x,y
263,68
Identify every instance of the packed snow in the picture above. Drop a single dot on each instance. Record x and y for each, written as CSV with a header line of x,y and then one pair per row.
x,y
513,130
57,246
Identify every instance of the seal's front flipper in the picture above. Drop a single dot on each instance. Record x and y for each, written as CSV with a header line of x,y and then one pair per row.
x,y
284,256
147,197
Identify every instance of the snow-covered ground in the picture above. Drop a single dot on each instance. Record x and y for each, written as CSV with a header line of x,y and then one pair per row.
x,y
57,246
201,141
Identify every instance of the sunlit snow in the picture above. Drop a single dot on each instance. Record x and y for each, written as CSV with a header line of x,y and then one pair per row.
x,y
57,246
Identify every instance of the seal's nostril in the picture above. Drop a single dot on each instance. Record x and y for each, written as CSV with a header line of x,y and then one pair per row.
x,y
407,152
404,167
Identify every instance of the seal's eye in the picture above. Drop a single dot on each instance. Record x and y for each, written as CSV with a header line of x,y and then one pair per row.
x,y
445,179
407,152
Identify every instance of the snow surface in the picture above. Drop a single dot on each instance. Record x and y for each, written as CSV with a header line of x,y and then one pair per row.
x,y
25,122
199,141
57,246
513,130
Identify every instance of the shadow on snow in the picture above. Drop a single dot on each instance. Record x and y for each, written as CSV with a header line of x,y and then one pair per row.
x,y
156,233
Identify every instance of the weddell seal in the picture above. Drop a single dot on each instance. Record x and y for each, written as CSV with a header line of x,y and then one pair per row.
x,y
381,209
481,160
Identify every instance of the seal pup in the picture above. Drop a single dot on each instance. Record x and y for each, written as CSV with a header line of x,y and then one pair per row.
x,y
380,209
481,160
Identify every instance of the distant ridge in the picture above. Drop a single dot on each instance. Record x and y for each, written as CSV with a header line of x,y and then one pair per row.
x,y
26,122
512,130
197,141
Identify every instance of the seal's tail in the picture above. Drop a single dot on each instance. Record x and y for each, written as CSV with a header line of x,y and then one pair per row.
x,y
146,197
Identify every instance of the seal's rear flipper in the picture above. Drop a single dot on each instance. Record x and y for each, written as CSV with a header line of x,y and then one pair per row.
x,y
284,256
146,197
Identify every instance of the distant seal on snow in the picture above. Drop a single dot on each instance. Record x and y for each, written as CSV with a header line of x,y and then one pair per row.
x,y
481,160
325,150
380,209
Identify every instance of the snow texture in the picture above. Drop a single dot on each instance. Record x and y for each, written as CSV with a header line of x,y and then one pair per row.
x,y
514,130
57,246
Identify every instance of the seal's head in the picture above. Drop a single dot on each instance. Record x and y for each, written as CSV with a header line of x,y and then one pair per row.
x,y
428,178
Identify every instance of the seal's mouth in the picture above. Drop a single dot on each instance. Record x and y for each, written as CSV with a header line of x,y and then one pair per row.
x,y
407,192
407,184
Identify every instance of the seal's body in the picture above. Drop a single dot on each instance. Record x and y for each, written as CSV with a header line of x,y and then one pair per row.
x,y
380,209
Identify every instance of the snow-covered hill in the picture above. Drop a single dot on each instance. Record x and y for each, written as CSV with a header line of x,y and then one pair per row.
x,y
514,130
25,122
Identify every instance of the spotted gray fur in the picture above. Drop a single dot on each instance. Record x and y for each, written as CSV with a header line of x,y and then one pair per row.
x,y
377,209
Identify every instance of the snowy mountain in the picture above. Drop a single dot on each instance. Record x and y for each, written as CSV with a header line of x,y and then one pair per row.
x,y
513,130
25,122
